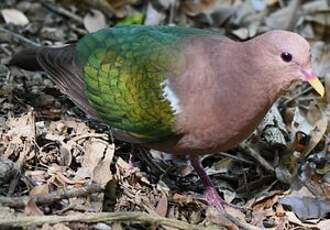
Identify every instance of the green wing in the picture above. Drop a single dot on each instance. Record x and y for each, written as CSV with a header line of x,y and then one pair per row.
x,y
124,68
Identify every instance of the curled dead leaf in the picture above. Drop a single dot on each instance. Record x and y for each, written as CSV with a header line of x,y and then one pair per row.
x,y
39,190
96,162
314,124
162,205
15,17
94,21
193,8
307,207
31,209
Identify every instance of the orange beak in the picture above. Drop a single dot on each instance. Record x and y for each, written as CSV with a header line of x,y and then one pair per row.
x,y
312,79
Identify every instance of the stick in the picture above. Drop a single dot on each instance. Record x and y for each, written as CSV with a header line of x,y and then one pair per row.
x,y
20,202
136,217
62,11
241,224
236,158
20,37
253,153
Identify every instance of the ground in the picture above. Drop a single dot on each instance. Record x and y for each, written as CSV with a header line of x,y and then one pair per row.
x,y
61,170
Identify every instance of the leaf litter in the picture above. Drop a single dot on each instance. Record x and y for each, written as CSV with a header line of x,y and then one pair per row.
x,y
53,156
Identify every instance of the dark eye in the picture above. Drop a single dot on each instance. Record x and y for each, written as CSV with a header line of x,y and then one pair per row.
x,y
287,57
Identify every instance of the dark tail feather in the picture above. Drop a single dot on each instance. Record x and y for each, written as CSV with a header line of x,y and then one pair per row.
x,y
27,59
61,65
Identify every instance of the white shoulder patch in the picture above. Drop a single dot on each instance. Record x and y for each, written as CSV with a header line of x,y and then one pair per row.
x,y
170,96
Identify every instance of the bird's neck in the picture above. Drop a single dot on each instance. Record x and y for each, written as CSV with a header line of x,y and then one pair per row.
x,y
262,79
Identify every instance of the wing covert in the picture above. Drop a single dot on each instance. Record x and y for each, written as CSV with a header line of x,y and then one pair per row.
x,y
125,69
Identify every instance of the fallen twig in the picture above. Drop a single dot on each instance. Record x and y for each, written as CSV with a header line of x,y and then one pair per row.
x,y
62,11
20,202
236,158
20,37
295,97
96,135
253,153
136,217
241,224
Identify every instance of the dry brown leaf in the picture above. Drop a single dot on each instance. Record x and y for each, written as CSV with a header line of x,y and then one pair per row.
x,y
22,127
213,216
102,174
321,58
19,138
307,207
292,218
318,12
123,166
258,5
193,8
182,199
162,205
314,124
266,202
94,21
31,209
235,212
327,87
65,180
282,223
241,33
153,17
116,226
280,212
55,227
271,2
59,177
96,162
61,127
258,218
283,18
317,133
38,176
66,155
15,17
40,190
323,224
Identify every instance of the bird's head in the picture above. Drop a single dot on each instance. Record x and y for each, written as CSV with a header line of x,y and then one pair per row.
x,y
290,55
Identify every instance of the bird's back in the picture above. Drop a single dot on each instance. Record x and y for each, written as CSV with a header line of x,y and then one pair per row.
x,y
121,75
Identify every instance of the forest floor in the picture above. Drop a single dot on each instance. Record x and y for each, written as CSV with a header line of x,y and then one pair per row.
x,y
60,170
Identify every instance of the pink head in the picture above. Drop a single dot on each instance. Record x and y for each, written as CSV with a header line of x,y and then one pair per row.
x,y
290,57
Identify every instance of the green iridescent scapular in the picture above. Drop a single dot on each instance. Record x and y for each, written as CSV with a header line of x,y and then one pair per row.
x,y
124,70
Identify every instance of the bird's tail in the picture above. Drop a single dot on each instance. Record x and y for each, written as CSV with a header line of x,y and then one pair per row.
x,y
62,67
27,59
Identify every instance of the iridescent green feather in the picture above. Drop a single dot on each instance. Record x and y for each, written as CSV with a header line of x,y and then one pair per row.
x,y
124,68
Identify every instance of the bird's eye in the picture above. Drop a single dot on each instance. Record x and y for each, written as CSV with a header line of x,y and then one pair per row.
x,y
287,57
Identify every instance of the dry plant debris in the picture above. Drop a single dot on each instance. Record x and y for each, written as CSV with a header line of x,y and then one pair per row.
x,y
60,170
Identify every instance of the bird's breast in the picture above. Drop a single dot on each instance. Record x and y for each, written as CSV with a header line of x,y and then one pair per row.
x,y
214,119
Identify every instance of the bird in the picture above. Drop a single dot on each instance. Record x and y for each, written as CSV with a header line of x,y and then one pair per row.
x,y
179,90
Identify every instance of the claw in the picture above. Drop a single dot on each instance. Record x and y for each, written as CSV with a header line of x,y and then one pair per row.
x,y
212,197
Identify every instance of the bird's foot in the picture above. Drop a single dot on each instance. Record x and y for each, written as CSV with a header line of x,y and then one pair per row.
x,y
213,199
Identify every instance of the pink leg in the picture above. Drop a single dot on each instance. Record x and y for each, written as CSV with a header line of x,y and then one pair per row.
x,y
211,194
